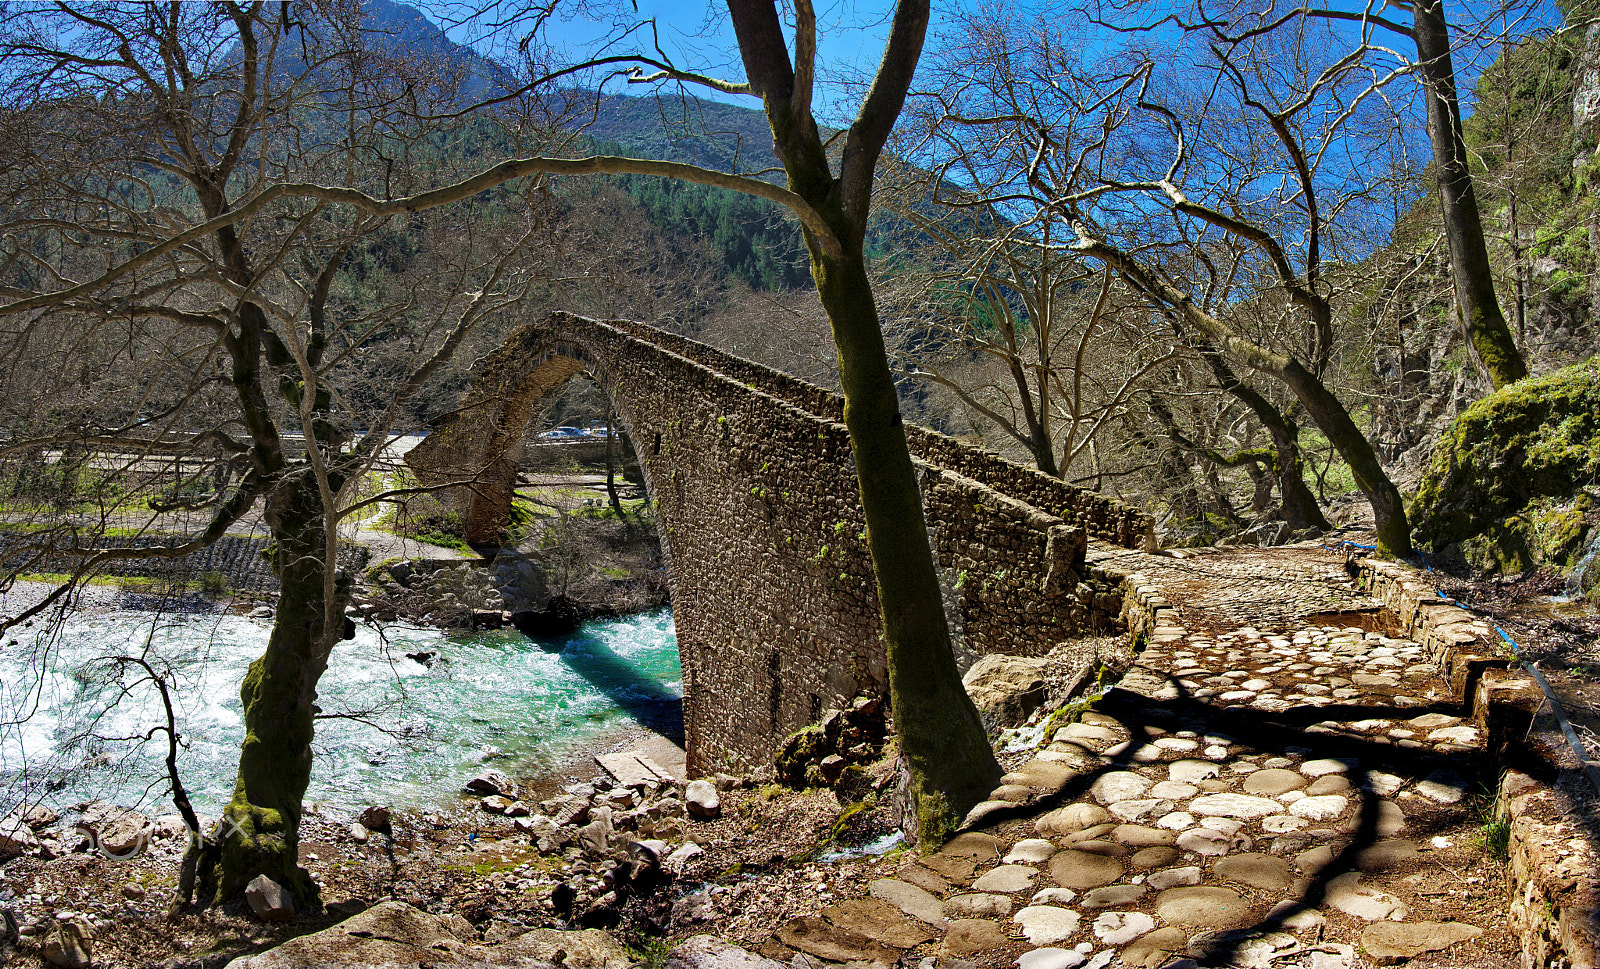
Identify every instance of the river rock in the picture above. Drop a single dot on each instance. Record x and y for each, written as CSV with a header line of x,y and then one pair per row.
x,y
1050,957
709,952
1111,896
1273,781
969,937
1082,870
1046,924
1007,879
269,900
16,838
1119,786
1006,689
1191,771
489,782
1030,851
67,945
1153,948
1073,817
1117,928
1201,907
1174,878
977,905
377,818
1256,870
1326,807
1238,806
700,797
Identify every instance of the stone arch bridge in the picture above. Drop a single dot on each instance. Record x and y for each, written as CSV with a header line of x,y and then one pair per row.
x,y
761,526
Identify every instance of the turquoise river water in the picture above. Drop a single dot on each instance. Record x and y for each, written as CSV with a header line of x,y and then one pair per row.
x,y
394,729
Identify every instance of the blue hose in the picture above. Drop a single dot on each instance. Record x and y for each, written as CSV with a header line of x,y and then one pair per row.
x,y
1555,707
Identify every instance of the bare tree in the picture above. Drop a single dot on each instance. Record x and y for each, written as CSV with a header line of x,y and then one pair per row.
x,y
1091,163
173,306
996,282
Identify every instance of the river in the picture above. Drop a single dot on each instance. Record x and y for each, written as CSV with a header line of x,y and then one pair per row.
x,y
398,729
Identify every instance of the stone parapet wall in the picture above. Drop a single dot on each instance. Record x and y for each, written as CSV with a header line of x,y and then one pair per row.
x,y
1550,877
1456,640
1552,869
1103,518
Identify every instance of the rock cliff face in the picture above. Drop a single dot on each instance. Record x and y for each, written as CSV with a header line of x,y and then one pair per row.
x,y
1586,99
1513,483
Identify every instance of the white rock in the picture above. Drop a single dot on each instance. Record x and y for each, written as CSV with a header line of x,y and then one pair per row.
x,y
1120,928
1235,805
1044,924
1119,786
701,799
1282,823
1385,785
1050,958
1173,790
1348,895
1206,841
1030,851
1176,821
1174,877
1316,768
1135,809
1189,771
1006,879
1323,808
1225,825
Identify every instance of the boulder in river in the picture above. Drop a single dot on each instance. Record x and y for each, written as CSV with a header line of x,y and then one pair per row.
x,y
490,781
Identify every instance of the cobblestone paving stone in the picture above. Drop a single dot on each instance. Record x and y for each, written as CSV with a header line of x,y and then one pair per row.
x,y
1261,789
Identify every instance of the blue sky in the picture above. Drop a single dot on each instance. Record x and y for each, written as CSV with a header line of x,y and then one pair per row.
x,y
698,35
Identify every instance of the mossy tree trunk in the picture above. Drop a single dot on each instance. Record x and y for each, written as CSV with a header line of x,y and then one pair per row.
x,y
1486,327
941,738
259,833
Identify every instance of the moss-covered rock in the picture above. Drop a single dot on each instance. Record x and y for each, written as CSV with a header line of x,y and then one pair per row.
x,y
1507,482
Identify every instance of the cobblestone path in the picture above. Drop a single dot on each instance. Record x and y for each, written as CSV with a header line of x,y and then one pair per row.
x,y
1277,782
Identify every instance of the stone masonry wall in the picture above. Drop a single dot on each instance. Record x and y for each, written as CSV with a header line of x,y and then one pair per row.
x,y
754,485
1101,517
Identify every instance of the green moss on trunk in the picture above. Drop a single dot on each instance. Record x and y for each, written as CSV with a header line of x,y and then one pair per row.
x,y
260,829
940,733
